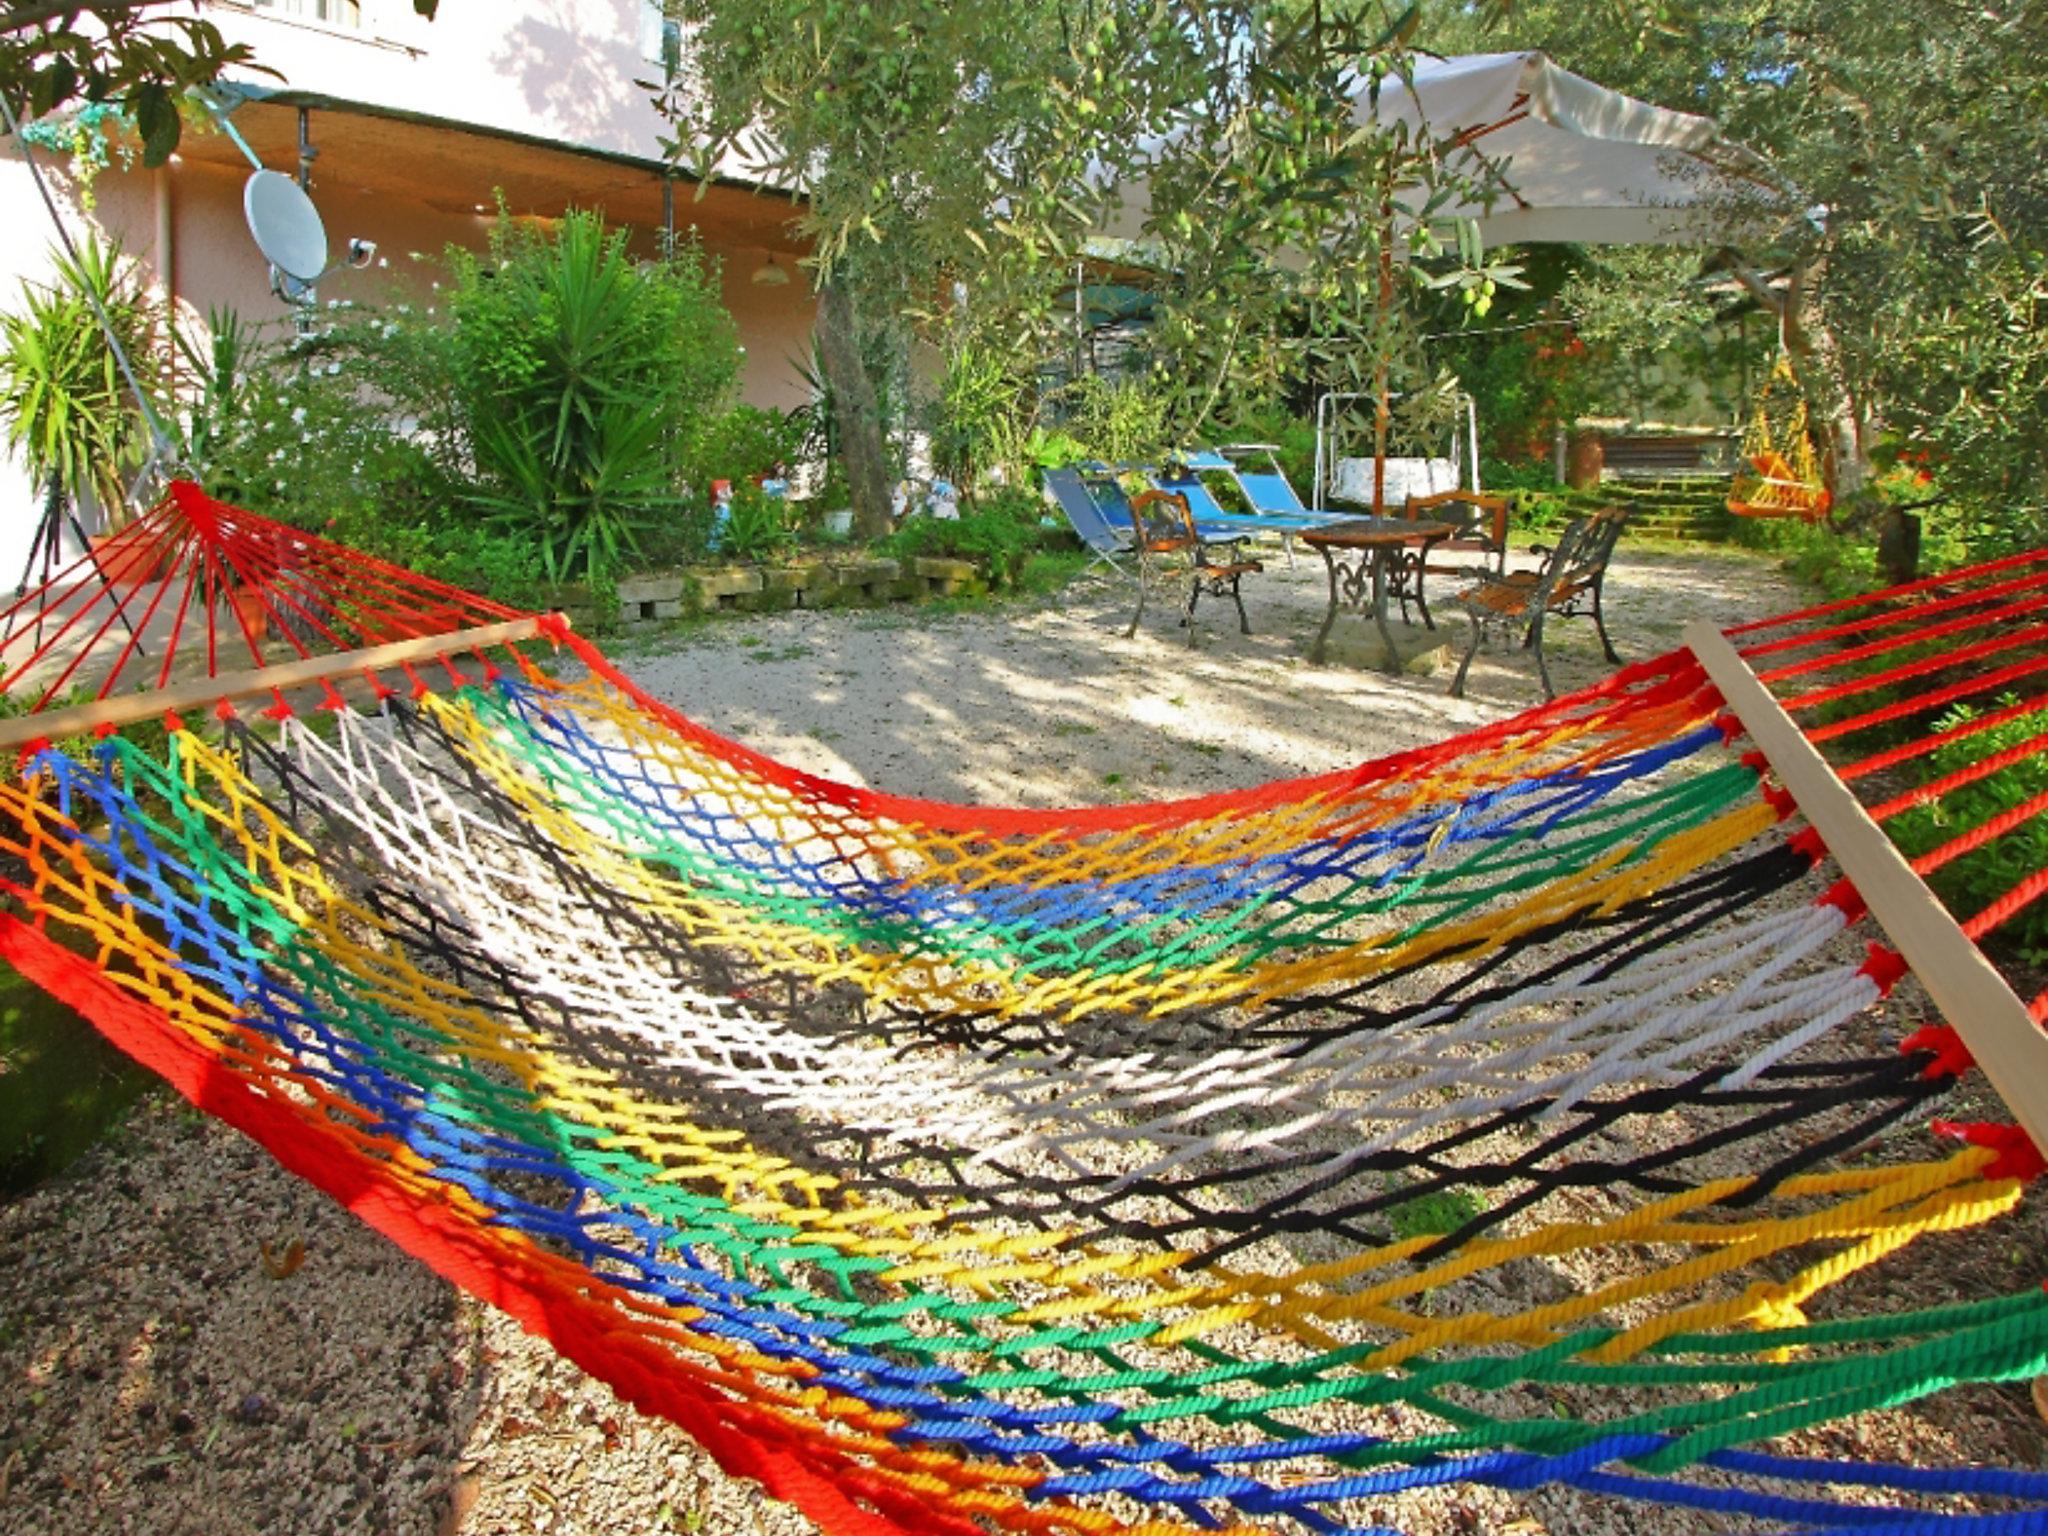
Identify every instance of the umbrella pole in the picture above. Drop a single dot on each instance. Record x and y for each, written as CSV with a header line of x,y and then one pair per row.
x,y
1382,412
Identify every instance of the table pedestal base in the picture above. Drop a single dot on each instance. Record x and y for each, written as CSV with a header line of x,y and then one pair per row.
x,y
1354,642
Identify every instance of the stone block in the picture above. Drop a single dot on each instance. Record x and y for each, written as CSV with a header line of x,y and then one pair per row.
x,y
724,588
949,578
653,587
869,580
1417,652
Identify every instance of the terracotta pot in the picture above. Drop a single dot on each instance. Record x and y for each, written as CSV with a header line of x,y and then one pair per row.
x,y
251,610
126,559
1587,458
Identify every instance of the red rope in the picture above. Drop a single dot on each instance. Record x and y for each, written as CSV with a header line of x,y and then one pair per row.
x,y
581,1324
1890,594
1921,634
1913,669
1920,703
1906,614
1934,789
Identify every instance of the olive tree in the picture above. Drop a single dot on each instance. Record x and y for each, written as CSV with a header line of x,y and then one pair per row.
x,y
977,141
1913,303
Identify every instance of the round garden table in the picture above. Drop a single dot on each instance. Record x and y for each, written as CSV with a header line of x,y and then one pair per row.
x,y
1360,555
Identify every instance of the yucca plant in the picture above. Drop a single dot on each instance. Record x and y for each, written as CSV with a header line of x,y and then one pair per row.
x,y
69,412
582,373
224,357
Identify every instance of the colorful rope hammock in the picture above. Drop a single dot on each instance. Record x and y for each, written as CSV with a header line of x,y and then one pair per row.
x,y
1498,1112
1780,476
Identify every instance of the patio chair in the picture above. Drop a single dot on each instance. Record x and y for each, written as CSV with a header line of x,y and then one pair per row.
x,y
1568,584
1106,537
1164,529
1256,469
1481,524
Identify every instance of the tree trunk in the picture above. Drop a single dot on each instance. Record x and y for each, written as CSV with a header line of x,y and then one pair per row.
x,y
854,411
1843,436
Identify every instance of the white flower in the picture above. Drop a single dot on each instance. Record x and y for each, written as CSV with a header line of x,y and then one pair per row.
x,y
299,415
333,369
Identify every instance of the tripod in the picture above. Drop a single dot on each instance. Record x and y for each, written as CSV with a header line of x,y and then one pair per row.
x,y
47,546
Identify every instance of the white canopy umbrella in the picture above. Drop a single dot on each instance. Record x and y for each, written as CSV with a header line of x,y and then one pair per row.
x,y
1569,160
1559,157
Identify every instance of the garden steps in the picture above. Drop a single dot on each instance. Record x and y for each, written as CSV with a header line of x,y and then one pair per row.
x,y
1692,508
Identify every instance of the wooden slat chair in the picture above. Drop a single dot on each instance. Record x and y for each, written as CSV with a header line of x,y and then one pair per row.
x,y
1481,522
1164,532
1568,584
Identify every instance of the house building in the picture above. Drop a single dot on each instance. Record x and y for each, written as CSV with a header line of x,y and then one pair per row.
x,y
409,132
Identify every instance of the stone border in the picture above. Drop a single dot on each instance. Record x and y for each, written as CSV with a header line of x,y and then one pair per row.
x,y
824,581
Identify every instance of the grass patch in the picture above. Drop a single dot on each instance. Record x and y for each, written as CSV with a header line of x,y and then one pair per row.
x,y
1434,1215
61,1085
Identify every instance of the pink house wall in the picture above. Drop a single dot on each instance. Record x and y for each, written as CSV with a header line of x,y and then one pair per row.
x,y
560,69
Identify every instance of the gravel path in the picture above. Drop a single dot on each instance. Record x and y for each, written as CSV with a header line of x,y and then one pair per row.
x,y
194,1342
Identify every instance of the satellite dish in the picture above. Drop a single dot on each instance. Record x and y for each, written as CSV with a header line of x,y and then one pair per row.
x,y
286,225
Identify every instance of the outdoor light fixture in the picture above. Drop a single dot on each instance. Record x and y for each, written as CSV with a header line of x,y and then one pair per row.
x,y
771,273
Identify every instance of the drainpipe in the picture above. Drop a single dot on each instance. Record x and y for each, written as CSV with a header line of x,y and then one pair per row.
x,y
167,264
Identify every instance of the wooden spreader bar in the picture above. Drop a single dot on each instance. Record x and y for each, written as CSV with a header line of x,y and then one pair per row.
x,y
202,693
1992,1021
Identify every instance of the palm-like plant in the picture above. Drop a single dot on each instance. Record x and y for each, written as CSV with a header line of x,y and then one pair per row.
x,y
582,371
69,412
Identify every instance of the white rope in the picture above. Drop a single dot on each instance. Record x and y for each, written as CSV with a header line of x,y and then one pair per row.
x,y
1738,986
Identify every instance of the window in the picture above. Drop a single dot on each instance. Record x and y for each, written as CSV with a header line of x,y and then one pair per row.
x,y
661,37
340,13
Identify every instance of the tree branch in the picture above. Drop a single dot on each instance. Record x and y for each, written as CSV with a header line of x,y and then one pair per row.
x,y
18,18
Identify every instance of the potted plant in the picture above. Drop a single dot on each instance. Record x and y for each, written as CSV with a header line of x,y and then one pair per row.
x,y
70,413
836,498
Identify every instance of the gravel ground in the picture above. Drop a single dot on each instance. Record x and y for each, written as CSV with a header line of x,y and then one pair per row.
x,y
192,1341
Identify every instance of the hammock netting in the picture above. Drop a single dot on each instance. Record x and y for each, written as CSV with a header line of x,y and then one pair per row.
x,y
1501,1112
1780,474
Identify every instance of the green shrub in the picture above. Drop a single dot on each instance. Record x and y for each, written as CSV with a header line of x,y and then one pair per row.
x,y
744,442
478,557
580,371
1976,879
1121,422
757,525
66,409
1001,530
983,416
286,429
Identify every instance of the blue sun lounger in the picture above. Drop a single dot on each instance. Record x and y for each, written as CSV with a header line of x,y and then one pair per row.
x,y
1184,478
1256,468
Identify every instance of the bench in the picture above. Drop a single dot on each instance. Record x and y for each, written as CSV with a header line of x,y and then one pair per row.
x,y
1568,584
